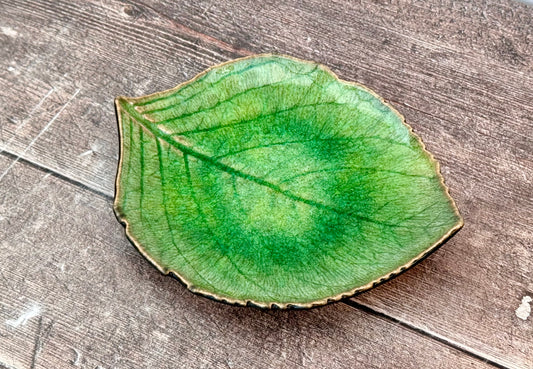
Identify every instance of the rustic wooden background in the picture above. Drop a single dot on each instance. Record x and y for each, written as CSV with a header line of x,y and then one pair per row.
x,y
75,293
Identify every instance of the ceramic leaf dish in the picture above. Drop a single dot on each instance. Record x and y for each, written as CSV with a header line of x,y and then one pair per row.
x,y
268,181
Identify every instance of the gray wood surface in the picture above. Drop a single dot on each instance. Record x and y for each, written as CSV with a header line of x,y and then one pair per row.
x,y
461,72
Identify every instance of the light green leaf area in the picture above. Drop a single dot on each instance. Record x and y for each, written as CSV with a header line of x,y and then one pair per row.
x,y
267,180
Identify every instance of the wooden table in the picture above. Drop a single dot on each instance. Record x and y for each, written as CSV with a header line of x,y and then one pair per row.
x,y
75,293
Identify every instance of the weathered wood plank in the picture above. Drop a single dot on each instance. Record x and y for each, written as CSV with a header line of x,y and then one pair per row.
x,y
92,301
460,72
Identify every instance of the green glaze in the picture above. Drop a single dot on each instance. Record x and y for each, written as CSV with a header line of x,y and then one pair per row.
x,y
269,181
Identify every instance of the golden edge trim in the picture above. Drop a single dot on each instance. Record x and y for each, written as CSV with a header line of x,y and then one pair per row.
x,y
271,305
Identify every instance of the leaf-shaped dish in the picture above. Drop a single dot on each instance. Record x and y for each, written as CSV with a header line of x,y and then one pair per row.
x,y
268,181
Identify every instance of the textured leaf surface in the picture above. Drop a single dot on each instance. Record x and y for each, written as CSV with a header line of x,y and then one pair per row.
x,y
267,180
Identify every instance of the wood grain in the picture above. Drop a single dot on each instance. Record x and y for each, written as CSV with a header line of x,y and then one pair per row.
x,y
100,304
461,73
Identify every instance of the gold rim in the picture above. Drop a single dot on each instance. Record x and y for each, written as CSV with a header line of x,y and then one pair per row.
x,y
272,305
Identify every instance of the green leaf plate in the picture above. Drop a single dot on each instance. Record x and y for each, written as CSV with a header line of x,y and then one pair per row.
x,y
268,181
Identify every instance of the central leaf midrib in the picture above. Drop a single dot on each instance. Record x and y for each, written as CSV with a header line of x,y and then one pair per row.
x,y
221,166
148,125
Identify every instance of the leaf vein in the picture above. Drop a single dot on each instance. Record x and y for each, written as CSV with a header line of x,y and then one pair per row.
x,y
229,100
209,86
167,215
260,116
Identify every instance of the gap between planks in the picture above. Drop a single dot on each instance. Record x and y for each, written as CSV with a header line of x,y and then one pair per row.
x,y
353,304
439,338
